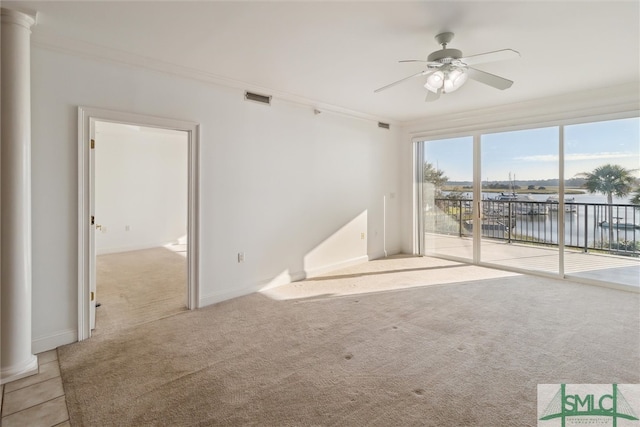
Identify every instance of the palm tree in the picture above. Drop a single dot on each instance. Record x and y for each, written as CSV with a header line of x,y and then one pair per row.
x,y
635,199
612,180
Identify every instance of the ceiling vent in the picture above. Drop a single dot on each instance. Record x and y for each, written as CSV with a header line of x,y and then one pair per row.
x,y
263,99
383,125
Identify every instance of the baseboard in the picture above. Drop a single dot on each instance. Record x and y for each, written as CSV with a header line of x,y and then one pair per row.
x,y
282,279
314,272
55,340
106,251
217,297
383,254
298,276
276,281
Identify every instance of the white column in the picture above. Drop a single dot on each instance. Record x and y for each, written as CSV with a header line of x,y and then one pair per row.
x,y
16,359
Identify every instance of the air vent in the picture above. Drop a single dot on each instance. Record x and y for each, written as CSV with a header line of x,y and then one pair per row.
x,y
263,99
383,125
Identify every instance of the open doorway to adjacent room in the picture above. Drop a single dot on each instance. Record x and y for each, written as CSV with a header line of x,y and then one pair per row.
x,y
141,194
138,220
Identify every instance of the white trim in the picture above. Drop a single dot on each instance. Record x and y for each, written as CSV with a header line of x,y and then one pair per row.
x,y
84,211
600,104
221,296
578,107
297,276
85,117
54,340
49,40
280,280
314,272
384,254
561,197
477,199
417,179
262,285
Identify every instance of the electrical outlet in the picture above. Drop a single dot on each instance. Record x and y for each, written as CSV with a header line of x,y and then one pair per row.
x,y
127,228
362,236
240,256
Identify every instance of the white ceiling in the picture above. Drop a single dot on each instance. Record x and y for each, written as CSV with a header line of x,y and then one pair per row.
x,y
337,53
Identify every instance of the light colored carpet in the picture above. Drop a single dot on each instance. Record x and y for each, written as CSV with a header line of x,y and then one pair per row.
x,y
334,351
138,287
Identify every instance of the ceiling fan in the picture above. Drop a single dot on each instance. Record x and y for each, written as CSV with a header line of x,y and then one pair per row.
x,y
448,70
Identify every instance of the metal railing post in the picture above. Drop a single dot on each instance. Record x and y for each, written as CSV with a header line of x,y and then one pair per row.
x,y
509,222
586,227
460,218
625,227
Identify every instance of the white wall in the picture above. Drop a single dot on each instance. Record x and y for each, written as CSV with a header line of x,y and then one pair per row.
x,y
140,186
276,182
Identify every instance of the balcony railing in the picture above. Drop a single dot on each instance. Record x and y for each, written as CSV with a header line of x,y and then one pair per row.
x,y
587,226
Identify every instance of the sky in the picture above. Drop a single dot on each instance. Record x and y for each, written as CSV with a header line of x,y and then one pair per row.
x,y
533,154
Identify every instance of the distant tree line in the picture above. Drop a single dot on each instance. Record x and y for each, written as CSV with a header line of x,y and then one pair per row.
x,y
576,182
498,185
610,180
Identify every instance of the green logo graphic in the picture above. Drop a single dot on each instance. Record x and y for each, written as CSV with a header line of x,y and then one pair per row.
x,y
566,405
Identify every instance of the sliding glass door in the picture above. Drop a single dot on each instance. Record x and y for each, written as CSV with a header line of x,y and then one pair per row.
x,y
446,179
519,179
561,200
602,163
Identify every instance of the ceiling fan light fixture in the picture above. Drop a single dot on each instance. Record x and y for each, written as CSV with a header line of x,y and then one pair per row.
x,y
447,69
435,81
455,79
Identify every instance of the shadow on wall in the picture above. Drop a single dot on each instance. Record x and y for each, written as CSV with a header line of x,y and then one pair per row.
x,y
347,246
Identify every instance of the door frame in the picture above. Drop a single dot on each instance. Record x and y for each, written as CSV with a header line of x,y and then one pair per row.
x,y
86,258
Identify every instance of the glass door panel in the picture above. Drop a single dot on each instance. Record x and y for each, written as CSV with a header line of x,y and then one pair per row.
x,y
519,184
447,196
601,169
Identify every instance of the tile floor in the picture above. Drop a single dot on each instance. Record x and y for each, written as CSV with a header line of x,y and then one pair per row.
x,y
38,400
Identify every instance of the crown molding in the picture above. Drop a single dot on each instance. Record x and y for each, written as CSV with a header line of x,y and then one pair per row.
x,y
616,101
573,106
51,41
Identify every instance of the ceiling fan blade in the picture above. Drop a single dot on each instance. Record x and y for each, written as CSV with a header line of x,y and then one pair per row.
x,y
497,55
489,79
421,73
429,63
432,96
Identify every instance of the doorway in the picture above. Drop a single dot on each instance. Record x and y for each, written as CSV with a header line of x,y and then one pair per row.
x,y
140,224
123,211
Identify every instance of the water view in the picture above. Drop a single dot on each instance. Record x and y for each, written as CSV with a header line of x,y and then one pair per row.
x,y
518,214
535,218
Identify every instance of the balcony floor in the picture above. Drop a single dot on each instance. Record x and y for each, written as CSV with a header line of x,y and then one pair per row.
x,y
616,270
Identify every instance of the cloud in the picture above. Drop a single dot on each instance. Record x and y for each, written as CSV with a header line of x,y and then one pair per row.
x,y
575,156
